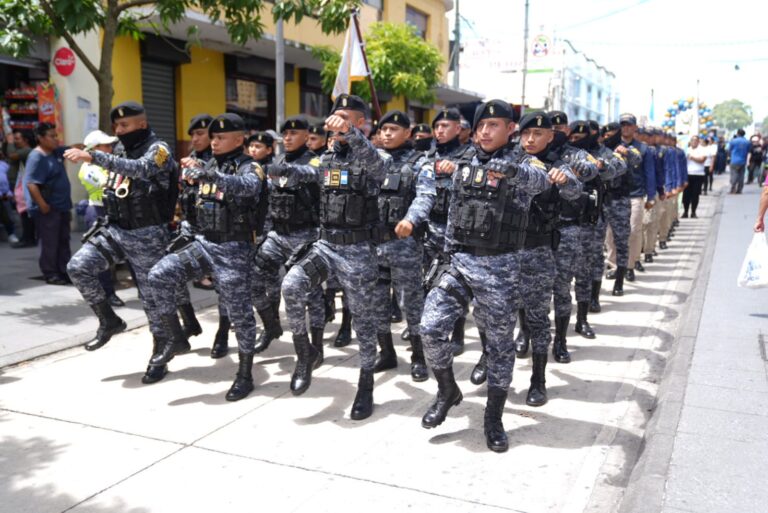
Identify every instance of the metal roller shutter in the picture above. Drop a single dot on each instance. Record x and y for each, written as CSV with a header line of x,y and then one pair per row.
x,y
159,90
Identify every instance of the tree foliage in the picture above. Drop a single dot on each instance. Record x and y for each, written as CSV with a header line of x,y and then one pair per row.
x,y
20,19
732,114
401,62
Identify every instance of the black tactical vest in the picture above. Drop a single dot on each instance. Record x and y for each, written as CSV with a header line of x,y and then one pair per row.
x,y
543,218
296,207
486,216
188,195
134,203
222,217
345,202
444,183
398,191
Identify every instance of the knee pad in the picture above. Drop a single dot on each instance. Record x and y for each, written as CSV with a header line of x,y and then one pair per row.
x,y
264,263
192,257
315,268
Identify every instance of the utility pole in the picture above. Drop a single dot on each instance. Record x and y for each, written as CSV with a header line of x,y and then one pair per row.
x,y
525,59
279,76
456,46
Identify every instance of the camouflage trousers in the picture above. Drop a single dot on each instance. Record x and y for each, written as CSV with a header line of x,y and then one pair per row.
x,y
400,268
567,259
537,278
268,262
494,282
229,263
434,242
141,248
591,261
355,268
617,215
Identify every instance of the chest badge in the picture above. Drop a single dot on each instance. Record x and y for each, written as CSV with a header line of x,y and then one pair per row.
x,y
206,189
283,181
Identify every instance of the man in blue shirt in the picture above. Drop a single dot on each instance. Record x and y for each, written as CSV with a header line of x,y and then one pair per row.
x,y
49,189
738,150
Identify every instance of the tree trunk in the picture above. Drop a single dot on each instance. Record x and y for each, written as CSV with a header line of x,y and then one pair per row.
x,y
106,91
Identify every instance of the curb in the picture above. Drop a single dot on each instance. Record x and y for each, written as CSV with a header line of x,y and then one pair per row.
x,y
647,482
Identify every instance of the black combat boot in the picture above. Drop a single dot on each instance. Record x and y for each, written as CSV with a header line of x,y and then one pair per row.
x,y
618,285
109,325
523,340
582,325
155,373
316,335
329,298
306,361
220,347
663,244
243,384
418,363
176,344
495,436
362,407
386,359
560,347
270,318
344,336
192,327
448,394
537,393
594,304
480,372
457,338
396,315
648,258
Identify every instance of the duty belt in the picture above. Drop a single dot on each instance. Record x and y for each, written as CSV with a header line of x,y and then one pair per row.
x,y
220,238
475,251
348,237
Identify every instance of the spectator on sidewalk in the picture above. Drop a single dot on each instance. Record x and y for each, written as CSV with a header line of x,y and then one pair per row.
x,y
6,196
738,149
755,158
51,204
696,156
710,150
93,178
762,208
721,158
23,142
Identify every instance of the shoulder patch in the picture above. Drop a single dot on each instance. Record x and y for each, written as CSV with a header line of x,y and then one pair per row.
x,y
161,155
537,163
591,159
315,162
259,171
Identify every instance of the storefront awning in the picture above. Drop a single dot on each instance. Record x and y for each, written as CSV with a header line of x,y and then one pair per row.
x,y
450,95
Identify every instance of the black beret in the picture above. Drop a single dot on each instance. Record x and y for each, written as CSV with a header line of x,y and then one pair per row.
x,y
395,117
318,129
228,122
349,102
558,117
610,127
451,114
126,110
593,125
493,109
421,128
295,123
628,118
579,127
199,121
261,137
535,119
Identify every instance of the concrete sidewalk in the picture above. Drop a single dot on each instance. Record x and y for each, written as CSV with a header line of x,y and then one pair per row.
x,y
81,433
707,444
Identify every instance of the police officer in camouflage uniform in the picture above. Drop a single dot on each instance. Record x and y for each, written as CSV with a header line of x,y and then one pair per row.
x,y
350,175
231,208
294,213
317,141
406,198
448,155
260,148
139,198
487,218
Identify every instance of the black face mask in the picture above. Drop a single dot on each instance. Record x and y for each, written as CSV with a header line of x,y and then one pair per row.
x,y
592,144
290,156
613,141
560,139
448,146
424,144
582,143
222,158
134,139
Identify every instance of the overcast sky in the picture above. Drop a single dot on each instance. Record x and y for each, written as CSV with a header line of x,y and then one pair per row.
x,y
663,45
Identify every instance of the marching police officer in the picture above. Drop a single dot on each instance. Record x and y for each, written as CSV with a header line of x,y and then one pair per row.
x,y
139,198
261,148
294,213
350,176
405,200
317,141
486,229
231,208
422,137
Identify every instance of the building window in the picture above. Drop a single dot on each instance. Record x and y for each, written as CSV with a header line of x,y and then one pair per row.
x,y
417,115
250,100
314,103
418,19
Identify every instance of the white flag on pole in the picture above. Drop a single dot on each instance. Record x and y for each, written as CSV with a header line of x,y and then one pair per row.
x,y
352,67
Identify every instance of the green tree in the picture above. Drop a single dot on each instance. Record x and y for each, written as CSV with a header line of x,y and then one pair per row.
x,y
401,62
66,18
732,114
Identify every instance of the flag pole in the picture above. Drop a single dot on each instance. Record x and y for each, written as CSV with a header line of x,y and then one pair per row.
x,y
374,96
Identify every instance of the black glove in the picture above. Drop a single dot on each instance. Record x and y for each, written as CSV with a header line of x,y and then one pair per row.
x,y
506,167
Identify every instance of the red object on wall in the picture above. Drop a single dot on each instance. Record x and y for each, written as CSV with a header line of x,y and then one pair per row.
x,y
64,61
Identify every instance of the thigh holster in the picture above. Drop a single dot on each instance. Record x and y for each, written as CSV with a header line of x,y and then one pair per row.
x,y
106,244
193,257
264,263
315,268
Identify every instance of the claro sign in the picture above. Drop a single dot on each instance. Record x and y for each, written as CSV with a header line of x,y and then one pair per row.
x,y
64,61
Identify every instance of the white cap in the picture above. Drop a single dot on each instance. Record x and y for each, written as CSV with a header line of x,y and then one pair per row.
x,y
96,138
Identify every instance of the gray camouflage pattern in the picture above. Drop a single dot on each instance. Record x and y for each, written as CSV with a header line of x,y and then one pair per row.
x,y
537,277
567,258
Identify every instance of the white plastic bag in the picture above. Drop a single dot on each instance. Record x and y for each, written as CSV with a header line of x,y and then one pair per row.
x,y
754,270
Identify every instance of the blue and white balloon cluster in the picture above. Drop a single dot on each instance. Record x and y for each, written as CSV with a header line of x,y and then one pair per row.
x,y
706,120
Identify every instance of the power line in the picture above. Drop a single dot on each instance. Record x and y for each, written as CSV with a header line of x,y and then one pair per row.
x,y
603,16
